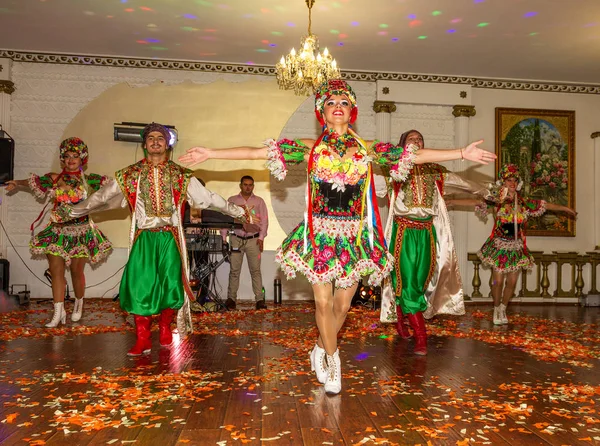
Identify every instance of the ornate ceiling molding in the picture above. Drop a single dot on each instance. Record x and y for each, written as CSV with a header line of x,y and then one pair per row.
x,y
553,87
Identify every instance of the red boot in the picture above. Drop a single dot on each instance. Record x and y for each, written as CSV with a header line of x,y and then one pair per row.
x,y
143,344
417,322
401,327
164,326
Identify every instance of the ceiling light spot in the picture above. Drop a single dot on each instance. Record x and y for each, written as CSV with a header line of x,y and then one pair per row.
x,y
334,31
395,39
354,23
451,31
422,37
482,24
436,13
415,23
412,16
457,20
383,25
530,14
190,16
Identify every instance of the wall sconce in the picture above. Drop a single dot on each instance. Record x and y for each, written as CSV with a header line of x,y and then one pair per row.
x,y
132,132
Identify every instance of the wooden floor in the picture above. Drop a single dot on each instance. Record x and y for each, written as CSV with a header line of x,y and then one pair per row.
x,y
244,377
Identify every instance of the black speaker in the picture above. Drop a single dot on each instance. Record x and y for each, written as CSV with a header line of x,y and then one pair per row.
x,y
4,275
7,158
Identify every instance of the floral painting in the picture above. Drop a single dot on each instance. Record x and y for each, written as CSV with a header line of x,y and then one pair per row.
x,y
542,144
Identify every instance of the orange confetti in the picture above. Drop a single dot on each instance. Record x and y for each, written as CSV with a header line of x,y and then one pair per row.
x,y
10,418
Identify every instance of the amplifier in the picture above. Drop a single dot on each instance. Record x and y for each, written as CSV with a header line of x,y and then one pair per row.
x,y
207,241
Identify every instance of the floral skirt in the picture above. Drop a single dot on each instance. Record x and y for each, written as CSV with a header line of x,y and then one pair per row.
x,y
505,255
77,238
336,255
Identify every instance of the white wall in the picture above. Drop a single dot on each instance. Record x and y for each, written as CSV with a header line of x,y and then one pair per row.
x,y
49,96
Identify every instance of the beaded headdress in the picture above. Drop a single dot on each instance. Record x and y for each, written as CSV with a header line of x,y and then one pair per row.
x,y
328,89
75,145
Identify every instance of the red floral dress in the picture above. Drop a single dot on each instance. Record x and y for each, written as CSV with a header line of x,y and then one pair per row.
x,y
341,237
79,237
505,249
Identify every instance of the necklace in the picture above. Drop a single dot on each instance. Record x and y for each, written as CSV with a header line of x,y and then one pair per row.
x,y
339,144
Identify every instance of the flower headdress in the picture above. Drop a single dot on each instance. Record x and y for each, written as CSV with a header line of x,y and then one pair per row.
x,y
510,171
328,89
75,145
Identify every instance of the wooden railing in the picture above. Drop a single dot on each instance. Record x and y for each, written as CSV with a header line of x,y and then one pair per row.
x,y
541,279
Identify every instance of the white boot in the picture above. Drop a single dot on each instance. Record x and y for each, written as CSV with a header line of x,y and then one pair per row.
x,y
497,318
318,363
503,317
333,385
59,316
77,310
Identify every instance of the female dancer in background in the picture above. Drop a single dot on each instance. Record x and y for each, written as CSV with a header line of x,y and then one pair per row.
x,y
73,243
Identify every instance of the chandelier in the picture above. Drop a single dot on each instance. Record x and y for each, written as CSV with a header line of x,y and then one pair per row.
x,y
305,71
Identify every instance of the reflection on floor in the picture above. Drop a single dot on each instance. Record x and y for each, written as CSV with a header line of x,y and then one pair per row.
x,y
244,377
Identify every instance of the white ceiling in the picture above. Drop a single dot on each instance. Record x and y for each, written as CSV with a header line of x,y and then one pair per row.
x,y
547,40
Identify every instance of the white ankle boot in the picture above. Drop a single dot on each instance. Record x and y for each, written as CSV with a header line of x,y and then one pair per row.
x,y
77,310
503,318
318,363
497,318
333,384
59,316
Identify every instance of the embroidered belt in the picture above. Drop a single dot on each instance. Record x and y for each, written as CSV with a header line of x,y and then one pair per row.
x,y
409,223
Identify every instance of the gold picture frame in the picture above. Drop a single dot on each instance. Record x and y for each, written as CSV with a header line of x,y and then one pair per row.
x,y
542,144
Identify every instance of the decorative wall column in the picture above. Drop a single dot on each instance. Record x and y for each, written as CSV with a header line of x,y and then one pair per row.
x,y
383,119
461,113
596,138
6,89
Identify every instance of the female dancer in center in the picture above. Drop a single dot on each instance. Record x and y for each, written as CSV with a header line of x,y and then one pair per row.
x,y
340,239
